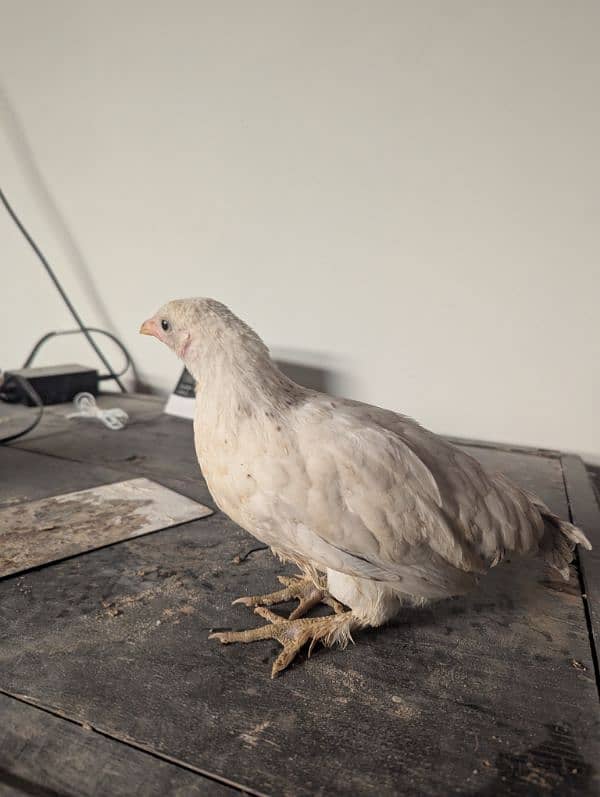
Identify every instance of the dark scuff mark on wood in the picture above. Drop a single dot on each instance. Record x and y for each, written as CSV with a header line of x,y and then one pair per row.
x,y
555,766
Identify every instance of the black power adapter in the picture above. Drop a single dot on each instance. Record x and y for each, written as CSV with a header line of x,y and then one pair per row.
x,y
55,384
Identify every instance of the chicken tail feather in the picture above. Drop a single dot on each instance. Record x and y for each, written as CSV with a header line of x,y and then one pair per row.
x,y
559,541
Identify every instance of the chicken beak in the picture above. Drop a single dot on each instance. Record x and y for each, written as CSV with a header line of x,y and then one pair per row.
x,y
149,328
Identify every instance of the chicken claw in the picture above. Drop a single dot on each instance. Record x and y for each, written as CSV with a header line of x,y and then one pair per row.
x,y
302,588
294,634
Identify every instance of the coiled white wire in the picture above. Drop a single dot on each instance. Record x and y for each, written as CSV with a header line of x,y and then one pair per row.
x,y
85,404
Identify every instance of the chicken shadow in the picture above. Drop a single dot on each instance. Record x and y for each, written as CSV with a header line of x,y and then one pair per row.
x,y
317,370
506,594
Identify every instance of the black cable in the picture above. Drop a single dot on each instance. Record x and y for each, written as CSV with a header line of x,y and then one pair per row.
x,y
27,389
59,288
48,335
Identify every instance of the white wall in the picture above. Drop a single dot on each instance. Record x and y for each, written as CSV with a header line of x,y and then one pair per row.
x,y
405,192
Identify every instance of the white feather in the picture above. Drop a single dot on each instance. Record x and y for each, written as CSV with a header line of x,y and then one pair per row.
x,y
388,510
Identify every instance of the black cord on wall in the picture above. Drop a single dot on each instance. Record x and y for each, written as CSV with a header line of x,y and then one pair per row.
x,y
82,328
114,338
22,385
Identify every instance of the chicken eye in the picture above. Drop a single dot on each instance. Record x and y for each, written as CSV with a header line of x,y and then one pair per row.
x,y
165,325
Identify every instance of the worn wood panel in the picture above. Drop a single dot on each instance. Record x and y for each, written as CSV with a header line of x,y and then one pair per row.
x,y
493,693
14,417
27,477
138,406
585,512
161,447
37,532
47,756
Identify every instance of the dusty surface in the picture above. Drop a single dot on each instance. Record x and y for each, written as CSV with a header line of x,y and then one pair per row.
x,y
491,694
34,533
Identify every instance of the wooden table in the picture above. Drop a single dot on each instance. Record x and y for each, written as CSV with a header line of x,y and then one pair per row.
x,y
493,694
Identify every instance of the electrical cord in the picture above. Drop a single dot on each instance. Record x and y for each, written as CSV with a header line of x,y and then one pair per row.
x,y
26,389
84,330
48,335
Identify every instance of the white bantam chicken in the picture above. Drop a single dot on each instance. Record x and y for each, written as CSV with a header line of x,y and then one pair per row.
x,y
376,511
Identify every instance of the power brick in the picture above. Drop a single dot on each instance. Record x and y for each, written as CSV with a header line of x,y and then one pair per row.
x,y
55,384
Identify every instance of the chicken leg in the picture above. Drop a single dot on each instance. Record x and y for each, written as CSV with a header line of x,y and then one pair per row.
x,y
294,634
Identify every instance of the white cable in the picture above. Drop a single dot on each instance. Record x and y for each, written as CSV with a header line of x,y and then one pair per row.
x,y
85,404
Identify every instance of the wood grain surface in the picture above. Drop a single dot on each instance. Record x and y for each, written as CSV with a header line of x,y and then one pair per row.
x,y
490,694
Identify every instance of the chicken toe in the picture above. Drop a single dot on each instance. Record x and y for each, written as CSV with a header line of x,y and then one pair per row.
x,y
300,587
294,634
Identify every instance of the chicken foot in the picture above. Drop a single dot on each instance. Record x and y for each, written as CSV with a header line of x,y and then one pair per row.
x,y
300,587
294,634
